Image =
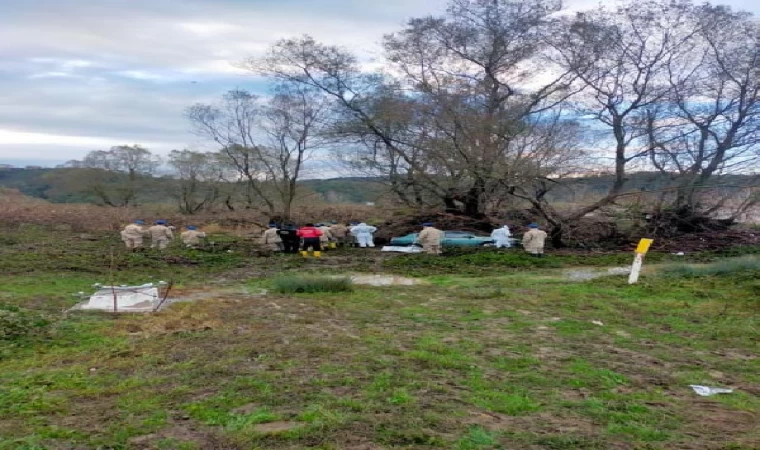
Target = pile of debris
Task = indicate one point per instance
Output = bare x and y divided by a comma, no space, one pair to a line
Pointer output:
706,241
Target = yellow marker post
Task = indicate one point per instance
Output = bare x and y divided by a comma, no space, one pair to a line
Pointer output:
638,260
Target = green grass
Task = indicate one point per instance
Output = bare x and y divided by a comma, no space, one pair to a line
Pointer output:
500,354
295,284
749,265
465,261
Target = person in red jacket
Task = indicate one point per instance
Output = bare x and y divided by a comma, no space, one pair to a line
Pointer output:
310,236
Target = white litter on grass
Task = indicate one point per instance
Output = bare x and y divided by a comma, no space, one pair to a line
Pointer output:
402,249
142,298
706,391
597,322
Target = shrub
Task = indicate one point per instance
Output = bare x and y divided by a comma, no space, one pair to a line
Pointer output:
310,284
16,323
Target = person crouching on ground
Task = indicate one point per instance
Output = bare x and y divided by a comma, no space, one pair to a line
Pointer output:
430,238
327,236
271,239
289,235
132,235
339,232
192,237
533,240
160,235
311,240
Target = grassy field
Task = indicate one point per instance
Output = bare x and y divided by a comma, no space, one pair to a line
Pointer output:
487,351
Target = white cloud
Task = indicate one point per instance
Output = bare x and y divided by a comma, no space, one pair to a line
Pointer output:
81,73
208,29
50,75
142,75
11,137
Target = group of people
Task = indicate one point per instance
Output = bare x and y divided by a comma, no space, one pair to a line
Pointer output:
160,234
316,237
533,240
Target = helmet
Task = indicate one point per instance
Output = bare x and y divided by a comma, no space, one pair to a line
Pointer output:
191,227
533,225
272,225
139,222
427,224
160,222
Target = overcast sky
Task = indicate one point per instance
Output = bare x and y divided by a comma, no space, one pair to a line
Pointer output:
79,75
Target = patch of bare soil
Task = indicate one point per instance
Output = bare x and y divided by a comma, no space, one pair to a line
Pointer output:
276,427
711,425
550,424
247,409
185,432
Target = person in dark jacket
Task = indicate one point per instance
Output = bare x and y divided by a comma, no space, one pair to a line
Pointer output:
289,235
311,239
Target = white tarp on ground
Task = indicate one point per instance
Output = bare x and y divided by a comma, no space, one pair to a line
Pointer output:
402,249
128,298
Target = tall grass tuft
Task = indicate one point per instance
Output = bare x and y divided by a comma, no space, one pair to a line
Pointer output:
728,266
312,284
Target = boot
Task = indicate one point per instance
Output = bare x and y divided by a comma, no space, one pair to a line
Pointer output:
305,254
317,254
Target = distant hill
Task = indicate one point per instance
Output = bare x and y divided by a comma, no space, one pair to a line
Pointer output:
63,185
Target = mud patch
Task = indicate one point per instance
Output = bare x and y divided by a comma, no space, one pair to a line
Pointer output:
211,294
550,424
184,434
247,409
276,427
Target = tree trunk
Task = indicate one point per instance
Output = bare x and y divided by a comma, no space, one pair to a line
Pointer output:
450,204
555,235
472,207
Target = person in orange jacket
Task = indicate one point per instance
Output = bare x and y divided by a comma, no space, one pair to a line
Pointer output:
311,239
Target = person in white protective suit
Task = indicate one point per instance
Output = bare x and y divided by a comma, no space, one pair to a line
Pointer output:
501,237
363,234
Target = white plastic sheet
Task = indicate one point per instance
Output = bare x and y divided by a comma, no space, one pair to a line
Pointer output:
706,391
128,298
402,249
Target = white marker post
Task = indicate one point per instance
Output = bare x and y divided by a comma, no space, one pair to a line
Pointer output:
638,261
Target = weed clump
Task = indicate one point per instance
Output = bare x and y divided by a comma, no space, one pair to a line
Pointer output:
16,323
311,285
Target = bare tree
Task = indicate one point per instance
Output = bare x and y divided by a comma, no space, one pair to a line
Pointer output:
294,121
267,142
233,125
445,122
133,162
709,123
200,179
620,62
